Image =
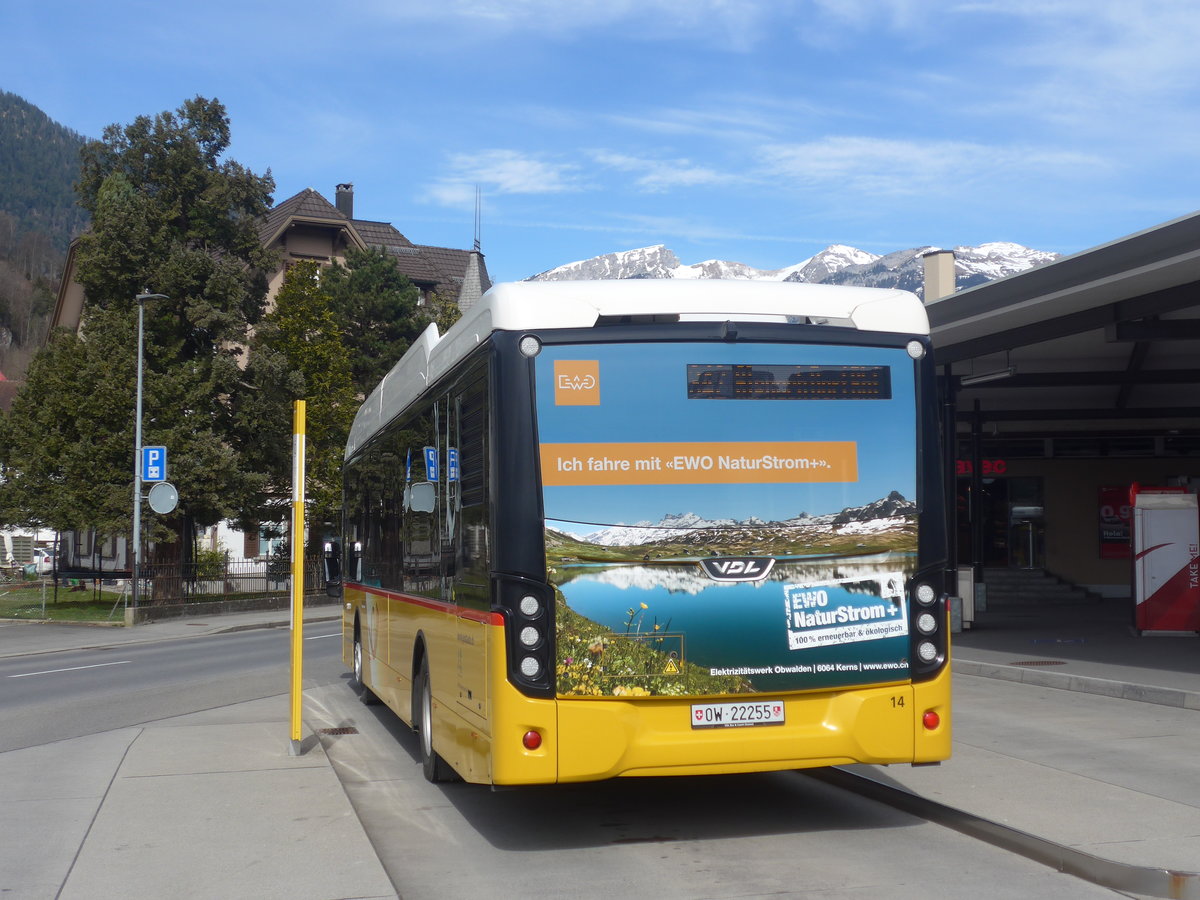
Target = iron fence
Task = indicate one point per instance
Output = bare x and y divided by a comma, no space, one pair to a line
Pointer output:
209,581
224,581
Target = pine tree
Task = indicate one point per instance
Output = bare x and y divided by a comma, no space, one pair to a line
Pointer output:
298,353
376,308
65,465
168,216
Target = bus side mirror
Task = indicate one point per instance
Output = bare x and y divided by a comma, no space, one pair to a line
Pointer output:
333,568
422,497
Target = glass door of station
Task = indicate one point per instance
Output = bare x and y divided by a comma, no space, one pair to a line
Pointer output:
1010,519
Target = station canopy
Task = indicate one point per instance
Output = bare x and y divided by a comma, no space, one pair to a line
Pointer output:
1093,354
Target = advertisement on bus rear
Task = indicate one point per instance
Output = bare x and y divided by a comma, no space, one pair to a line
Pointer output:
727,518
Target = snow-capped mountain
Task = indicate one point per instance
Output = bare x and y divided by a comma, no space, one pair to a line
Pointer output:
972,265
836,264
880,515
831,260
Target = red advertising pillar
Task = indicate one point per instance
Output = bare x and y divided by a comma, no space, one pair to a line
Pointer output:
1166,559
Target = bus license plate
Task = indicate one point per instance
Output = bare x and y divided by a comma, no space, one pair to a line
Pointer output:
737,715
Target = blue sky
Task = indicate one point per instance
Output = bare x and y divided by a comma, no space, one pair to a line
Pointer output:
753,130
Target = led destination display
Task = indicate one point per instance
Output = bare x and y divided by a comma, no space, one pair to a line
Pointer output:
744,381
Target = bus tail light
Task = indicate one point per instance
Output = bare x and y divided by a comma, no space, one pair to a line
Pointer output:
931,720
528,610
531,740
929,647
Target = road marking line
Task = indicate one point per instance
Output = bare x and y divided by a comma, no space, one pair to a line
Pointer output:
72,669
319,636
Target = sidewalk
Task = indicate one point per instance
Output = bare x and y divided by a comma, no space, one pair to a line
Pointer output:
20,638
1090,648
1071,728
1105,763
210,804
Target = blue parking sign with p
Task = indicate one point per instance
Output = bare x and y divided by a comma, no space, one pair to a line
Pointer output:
154,464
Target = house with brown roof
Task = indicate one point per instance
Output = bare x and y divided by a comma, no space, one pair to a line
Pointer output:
307,226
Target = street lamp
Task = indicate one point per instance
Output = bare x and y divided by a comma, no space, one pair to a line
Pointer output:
137,447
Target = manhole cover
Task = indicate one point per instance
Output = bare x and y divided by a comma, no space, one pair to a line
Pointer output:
1039,662
346,730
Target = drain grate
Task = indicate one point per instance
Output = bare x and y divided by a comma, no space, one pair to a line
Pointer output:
349,729
1039,662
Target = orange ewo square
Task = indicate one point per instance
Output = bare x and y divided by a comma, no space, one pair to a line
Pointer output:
577,382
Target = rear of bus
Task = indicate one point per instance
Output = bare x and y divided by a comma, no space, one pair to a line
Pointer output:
742,532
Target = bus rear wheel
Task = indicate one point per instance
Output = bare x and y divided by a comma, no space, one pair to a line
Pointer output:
365,694
433,766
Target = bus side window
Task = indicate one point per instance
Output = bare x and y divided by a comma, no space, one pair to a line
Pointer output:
472,497
418,553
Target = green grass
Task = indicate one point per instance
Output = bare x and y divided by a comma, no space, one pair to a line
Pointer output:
595,661
24,601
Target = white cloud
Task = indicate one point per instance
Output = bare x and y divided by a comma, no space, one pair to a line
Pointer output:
877,167
869,13
736,24
500,172
1102,66
706,123
662,174
647,230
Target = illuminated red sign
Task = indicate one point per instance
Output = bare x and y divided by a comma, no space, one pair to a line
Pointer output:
990,467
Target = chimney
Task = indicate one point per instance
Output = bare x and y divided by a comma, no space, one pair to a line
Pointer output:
939,274
345,200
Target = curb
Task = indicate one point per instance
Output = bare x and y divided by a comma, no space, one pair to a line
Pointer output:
170,637
91,624
1120,690
1142,880
284,623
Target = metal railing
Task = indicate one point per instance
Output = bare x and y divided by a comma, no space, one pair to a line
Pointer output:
223,581
191,582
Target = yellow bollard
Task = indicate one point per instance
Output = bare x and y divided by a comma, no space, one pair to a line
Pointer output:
297,574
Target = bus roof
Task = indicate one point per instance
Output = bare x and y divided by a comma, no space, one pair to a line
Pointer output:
526,305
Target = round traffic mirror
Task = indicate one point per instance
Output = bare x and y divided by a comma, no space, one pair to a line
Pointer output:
163,497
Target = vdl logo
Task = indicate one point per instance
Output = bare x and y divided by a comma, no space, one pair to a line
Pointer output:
738,568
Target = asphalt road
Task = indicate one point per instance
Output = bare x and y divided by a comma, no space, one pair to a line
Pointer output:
779,834
53,696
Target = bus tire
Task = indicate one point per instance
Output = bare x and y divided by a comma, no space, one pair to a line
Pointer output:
433,766
365,694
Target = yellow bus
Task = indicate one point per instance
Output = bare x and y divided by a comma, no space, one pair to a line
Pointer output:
635,528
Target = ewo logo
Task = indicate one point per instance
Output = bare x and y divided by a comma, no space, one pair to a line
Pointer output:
576,382
737,568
